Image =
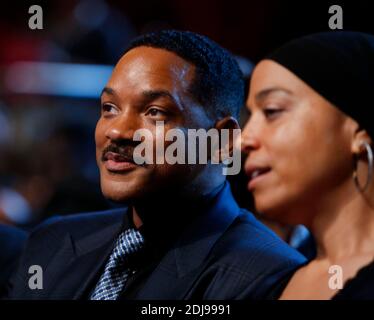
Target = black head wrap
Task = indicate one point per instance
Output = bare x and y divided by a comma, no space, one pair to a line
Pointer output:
339,66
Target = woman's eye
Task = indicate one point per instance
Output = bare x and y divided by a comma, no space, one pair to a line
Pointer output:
272,112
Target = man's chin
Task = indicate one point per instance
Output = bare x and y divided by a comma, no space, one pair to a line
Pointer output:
122,192
121,198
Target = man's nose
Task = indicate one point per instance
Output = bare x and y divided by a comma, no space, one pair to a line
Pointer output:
250,137
122,127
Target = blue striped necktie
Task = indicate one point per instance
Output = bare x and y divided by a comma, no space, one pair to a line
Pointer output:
117,271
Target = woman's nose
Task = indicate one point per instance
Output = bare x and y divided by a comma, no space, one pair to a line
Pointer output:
249,139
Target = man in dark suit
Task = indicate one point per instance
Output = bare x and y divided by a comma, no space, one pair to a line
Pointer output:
180,234
12,241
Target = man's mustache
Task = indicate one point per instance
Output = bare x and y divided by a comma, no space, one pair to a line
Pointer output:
125,153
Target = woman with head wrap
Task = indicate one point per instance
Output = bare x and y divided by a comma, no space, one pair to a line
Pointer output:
309,142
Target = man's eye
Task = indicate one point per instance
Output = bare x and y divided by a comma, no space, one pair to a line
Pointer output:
155,112
107,108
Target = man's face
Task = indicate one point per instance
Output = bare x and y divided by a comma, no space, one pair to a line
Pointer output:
147,85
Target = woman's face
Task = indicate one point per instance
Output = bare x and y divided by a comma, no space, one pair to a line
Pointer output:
298,145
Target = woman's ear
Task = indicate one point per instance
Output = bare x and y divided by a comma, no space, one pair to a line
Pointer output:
226,146
360,136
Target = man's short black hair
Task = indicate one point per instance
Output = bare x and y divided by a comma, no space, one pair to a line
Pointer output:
218,83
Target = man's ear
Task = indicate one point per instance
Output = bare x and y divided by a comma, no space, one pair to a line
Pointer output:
357,146
226,146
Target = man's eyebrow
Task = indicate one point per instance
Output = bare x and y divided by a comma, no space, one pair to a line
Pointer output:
149,95
155,94
264,93
108,90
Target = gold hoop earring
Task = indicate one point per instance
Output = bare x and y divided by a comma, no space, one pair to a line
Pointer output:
369,152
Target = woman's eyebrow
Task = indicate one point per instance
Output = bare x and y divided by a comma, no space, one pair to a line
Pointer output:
266,92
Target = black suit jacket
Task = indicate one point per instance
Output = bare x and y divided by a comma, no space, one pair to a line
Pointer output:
11,244
224,253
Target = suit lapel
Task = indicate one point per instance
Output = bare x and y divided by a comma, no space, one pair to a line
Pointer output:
83,258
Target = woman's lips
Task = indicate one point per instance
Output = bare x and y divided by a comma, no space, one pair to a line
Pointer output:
255,176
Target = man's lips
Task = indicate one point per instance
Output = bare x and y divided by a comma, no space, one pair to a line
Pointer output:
116,162
256,174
